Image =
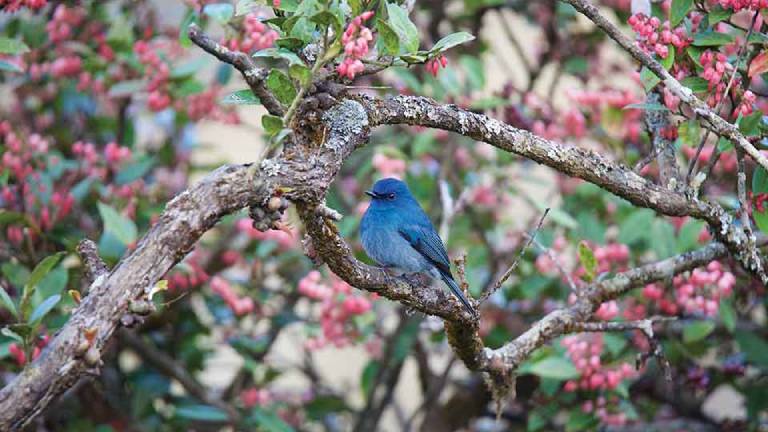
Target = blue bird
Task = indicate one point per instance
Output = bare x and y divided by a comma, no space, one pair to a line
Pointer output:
397,234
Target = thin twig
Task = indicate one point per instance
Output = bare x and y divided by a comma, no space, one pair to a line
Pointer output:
519,256
739,60
555,260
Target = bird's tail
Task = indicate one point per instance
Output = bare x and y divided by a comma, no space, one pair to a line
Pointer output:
448,279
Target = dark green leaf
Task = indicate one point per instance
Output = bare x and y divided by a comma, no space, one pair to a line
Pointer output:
760,181
728,314
5,331
189,18
324,405
405,29
750,125
240,97
712,38
754,347
10,217
679,10
272,125
41,269
696,84
369,373
289,43
43,308
717,14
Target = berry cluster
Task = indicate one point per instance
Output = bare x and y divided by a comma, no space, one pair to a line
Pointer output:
738,5
239,305
338,305
653,36
258,36
697,294
355,39
433,65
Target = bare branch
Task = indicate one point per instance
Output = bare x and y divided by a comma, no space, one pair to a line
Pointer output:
719,125
253,75
513,266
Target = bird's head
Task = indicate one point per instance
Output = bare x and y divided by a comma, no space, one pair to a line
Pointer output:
389,191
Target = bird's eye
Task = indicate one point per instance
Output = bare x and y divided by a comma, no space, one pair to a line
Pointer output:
391,196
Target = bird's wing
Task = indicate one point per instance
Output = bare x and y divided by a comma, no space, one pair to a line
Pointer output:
426,241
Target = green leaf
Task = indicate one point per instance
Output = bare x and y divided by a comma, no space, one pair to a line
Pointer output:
389,42
188,88
679,10
647,106
44,308
8,303
135,170
10,217
689,133
760,181
451,41
203,413
750,125
717,14
668,61
221,12
696,84
300,73
10,67
712,38
281,86
321,406
12,46
327,19
188,68
754,348
289,43
272,125
269,421
240,97
189,19
554,367
41,269
118,225
727,314
5,331
368,375
649,79
588,261
697,330
405,29
280,54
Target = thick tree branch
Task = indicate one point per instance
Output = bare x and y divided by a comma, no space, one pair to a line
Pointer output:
573,161
718,125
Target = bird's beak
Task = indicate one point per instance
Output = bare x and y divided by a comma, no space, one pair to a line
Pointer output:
371,194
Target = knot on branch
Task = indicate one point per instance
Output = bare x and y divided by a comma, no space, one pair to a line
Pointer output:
266,216
321,97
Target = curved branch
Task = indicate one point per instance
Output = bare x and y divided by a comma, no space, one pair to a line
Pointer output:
573,161
719,125
252,74
184,220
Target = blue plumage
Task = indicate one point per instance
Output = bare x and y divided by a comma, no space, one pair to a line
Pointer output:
397,234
